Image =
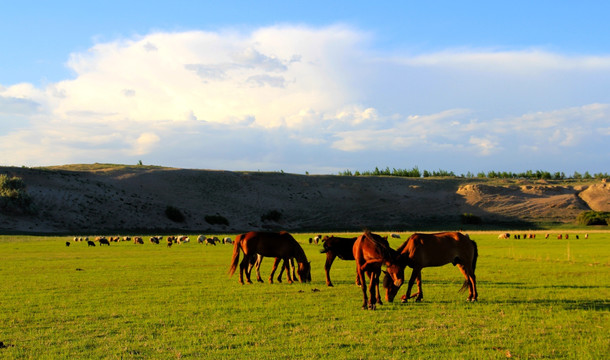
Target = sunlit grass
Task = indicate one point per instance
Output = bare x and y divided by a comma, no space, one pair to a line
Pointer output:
537,299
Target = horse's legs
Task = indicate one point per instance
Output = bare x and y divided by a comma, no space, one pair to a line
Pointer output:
259,261
373,285
294,274
330,257
243,268
377,288
360,274
414,275
275,262
420,293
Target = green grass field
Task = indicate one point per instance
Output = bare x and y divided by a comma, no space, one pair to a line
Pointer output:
537,299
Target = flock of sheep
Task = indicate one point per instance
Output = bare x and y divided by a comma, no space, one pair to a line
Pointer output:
533,236
170,240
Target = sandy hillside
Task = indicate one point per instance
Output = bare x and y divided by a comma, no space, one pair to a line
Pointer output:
114,199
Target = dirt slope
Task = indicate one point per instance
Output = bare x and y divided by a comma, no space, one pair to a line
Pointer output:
91,200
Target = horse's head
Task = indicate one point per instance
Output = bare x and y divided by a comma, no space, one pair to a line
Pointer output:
304,272
393,280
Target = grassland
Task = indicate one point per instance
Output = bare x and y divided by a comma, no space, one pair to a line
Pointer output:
537,299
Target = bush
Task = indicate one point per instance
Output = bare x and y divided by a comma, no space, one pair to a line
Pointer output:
470,219
216,220
174,214
593,218
272,215
13,196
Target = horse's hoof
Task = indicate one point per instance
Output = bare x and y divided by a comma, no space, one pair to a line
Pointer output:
260,280
329,284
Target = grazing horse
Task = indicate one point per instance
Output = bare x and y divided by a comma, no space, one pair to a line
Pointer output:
337,247
426,250
371,251
271,244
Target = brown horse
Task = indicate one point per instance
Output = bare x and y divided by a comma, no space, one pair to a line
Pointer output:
371,251
271,244
426,250
337,247
259,261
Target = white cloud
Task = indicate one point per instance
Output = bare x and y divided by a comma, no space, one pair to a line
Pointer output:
294,94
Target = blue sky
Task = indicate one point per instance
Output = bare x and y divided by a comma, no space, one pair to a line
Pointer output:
307,86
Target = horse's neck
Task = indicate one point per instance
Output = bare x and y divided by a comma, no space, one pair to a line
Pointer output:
300,255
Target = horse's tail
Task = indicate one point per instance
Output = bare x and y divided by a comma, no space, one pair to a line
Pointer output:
235,258
475,255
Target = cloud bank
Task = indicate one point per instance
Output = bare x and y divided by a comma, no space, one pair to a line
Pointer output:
321,100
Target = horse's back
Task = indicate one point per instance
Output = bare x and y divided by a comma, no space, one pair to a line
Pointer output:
438,249
341,247
270,244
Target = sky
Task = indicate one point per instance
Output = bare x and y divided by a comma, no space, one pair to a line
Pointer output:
312,87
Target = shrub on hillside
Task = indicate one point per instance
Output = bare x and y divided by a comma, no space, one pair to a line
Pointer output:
470,219
174,214
13,196
271,215
216,220
593,218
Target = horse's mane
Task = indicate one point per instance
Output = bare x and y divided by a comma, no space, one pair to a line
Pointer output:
381,243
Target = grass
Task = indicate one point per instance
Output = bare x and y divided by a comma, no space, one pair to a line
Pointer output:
537,299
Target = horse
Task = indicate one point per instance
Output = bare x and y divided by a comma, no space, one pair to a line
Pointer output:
337,247
427,250
259,261
371,251
271,244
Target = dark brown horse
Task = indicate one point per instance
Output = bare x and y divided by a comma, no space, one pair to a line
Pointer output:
371,251
426,250
270,244
334,246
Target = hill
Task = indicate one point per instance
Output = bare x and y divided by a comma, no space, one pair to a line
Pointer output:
102,198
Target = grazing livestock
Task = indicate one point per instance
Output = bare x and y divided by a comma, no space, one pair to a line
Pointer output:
337,247
200,239
371,251
90,243
155,240
169,241
227,240
317,239
504,236
426,250
395,236
211,241
138,240
183,240
67,243
271,244
104,241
